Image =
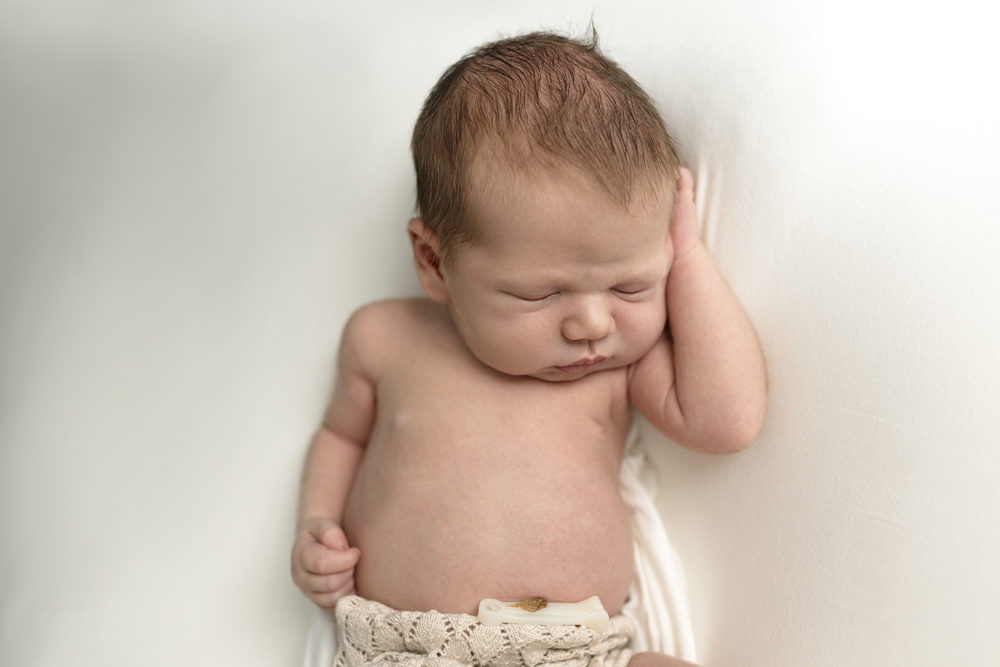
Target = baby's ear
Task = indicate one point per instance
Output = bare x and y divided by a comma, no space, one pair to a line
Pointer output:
427,260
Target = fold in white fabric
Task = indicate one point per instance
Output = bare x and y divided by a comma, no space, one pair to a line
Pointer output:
657,600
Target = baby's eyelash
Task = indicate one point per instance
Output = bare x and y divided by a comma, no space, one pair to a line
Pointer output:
631,292
531,299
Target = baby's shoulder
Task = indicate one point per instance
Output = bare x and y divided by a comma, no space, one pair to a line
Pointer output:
392,317
377,331
378,315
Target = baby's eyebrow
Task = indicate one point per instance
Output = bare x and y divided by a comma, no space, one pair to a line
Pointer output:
644,276
553,279
526,281
649,275
525,287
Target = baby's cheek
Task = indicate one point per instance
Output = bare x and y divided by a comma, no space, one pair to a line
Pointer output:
647,326
510,349
525,343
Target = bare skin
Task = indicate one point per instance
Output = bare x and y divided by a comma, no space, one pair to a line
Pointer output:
650,659
472,445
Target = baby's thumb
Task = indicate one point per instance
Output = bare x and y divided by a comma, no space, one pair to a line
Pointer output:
332,537
346,559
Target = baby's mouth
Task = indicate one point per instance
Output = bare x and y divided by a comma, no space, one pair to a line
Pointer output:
581,365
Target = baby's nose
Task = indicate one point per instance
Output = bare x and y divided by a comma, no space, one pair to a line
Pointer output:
590,320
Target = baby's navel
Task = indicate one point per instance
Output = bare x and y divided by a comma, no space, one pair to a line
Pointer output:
531,604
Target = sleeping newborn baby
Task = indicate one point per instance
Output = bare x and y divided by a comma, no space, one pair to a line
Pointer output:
472,446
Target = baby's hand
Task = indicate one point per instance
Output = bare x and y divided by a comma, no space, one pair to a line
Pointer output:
684,226
323,563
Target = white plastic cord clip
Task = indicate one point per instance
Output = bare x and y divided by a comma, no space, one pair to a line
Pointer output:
589,613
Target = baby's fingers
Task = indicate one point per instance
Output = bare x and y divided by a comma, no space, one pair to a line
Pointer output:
330,535
329,583
327,601
685,182
320,560
684,226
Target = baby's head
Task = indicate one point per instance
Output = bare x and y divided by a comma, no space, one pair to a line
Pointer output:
531,104
543,167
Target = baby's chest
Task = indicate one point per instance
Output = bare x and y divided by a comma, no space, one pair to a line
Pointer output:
488,412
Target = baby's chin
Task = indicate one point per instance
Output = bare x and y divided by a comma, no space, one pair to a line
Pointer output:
553,376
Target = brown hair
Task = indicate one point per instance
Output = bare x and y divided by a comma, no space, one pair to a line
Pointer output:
536,101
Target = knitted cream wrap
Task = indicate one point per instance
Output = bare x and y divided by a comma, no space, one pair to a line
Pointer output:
371,634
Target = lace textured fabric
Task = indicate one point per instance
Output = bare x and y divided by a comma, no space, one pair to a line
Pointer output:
370,634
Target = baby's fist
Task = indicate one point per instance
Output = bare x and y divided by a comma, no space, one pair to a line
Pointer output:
323,562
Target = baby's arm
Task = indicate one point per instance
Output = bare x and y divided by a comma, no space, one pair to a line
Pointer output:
322,560
704,383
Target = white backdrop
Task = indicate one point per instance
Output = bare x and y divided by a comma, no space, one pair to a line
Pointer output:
194,196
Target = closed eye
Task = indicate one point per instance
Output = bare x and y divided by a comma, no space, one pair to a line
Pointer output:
631,291
532,299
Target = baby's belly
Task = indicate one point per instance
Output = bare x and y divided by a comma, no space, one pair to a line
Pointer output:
442,529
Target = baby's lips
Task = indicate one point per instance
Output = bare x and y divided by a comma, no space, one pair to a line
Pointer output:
581,365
